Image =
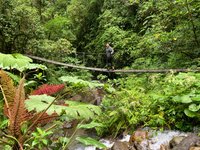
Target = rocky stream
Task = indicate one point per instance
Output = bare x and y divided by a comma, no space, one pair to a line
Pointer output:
149,140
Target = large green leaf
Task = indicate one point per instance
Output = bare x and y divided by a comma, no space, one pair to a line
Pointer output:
14,60
34,66
76,80
18,61
177,99
75,110
193,107
22,57
90,141
189,113
186,99
196,98
89,126
39,103
14,77
8,61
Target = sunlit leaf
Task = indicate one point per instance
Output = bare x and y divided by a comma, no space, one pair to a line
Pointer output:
186,99
189,113
63,140
196,98
18,61
89,126
90,141
73,109
194,107
24,127
76,80
44,141
14,77
177,98
20,56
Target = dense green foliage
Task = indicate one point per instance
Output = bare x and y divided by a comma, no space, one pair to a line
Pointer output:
144,34
170,101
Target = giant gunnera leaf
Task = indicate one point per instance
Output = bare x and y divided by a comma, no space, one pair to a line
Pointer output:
74,110
13,61
18,61
76,81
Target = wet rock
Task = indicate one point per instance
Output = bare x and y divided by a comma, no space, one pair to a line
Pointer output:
140,145
175,141
108,143
118,145
188,142
164,147
138,140
160,139
138,136
194,148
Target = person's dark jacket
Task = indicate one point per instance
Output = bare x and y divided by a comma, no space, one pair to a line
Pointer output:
109,51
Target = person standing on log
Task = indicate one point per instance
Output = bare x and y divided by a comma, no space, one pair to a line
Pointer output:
109,55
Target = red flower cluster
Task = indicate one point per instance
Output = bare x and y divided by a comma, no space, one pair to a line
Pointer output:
48,89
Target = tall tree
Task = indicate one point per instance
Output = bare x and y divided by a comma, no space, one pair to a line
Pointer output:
19,24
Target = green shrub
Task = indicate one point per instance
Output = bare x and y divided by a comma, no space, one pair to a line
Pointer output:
155,100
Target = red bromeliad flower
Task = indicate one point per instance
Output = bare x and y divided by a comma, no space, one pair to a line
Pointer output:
48,89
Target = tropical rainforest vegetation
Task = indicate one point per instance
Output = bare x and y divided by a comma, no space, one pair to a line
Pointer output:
38,99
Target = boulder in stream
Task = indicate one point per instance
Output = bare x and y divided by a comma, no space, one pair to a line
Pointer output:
138,140
188,143
194,148
175,141
118,145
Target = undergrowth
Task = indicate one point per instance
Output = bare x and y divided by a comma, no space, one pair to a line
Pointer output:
169,101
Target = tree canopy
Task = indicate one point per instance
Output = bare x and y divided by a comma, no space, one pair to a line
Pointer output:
143,33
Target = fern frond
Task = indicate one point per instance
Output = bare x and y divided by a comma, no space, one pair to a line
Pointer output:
43,120
8,87
18,113
48,89
15,106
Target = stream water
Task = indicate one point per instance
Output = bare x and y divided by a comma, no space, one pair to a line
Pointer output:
153,143
160,138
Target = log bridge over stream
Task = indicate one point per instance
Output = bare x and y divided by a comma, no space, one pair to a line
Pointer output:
114,71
